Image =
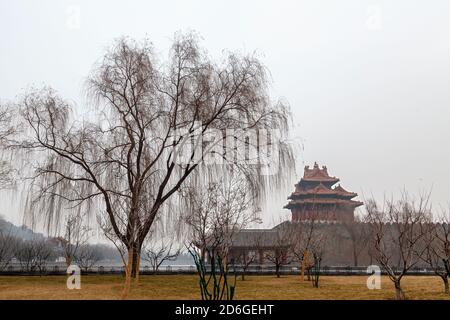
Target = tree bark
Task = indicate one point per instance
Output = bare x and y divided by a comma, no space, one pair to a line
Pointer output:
302,271
355,258
68,261
399,294
303,265
446,287
136,261
447,275
128,269
137,271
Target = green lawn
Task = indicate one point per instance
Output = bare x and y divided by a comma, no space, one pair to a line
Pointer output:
186,287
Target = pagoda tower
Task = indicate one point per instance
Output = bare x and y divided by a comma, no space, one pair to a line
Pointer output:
315,198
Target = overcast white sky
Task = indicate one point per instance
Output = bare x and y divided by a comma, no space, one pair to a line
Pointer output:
368,81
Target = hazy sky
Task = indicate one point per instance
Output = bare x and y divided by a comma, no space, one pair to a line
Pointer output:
368,81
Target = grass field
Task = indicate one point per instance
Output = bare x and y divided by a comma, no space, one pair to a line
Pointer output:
186,287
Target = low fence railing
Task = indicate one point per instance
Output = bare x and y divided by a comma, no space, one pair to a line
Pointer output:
191,269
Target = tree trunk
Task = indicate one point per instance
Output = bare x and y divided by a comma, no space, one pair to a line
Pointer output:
355,258
128,271
399,294
445,279
203,255
447,275
277,270
302,270
137,271
303,265
68,261
136,261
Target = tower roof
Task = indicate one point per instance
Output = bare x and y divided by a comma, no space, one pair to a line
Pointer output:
315,192
317,174
343,192
322,190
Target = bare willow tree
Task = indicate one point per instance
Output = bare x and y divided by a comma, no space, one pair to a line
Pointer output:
7,130
436,244
144,137
397,229
8,242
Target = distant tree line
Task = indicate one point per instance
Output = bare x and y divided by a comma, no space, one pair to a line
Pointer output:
34,255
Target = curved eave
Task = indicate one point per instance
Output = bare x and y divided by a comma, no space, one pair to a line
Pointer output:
319,179
357,203
296,203
304,195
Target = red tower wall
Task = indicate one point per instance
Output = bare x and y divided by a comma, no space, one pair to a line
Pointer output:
339,213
